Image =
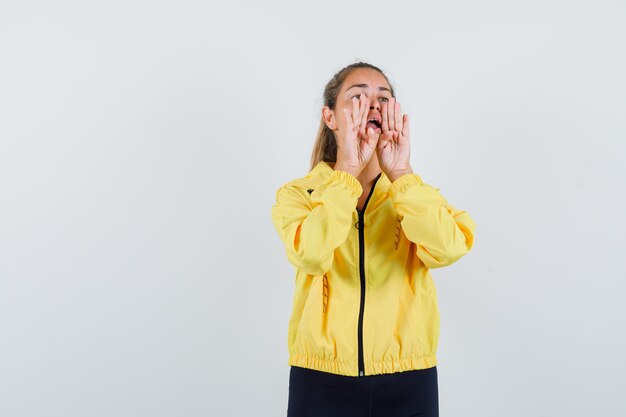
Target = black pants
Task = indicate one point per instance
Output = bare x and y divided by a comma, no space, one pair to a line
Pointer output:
315,393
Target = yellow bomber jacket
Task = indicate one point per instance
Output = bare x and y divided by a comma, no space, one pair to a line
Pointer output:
364,300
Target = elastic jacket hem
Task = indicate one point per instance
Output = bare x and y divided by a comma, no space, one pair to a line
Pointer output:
371,367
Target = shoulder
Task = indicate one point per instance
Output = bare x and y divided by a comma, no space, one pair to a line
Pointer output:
312,179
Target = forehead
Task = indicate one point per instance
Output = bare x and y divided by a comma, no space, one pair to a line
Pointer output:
365,76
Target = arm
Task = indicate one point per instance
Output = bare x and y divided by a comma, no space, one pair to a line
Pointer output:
312,230
441,233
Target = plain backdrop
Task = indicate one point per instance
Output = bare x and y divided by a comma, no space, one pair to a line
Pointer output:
141,145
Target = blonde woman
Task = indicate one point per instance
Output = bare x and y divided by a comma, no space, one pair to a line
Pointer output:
363,231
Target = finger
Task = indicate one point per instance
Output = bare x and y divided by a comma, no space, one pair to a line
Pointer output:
398,117
364,113
371,136
405,126
355,111
346,112
359,120
390,119
385,125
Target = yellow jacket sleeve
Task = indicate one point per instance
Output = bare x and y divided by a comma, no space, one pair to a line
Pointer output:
312,227
441,233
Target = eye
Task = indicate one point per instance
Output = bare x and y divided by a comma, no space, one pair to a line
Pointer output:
384,99
357,95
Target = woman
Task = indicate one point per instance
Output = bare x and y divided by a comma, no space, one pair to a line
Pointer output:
363,231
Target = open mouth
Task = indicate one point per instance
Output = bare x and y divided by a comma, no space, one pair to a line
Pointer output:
374,124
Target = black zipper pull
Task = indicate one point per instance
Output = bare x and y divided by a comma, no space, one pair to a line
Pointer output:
359,224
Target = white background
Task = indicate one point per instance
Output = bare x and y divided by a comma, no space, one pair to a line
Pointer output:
141,144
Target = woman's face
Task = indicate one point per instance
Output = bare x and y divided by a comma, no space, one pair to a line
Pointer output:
361,81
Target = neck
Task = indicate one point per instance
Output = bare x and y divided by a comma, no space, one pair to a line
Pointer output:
370,172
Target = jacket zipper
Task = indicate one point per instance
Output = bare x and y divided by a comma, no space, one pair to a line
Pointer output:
360,226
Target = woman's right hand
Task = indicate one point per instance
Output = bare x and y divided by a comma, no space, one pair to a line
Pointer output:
357,146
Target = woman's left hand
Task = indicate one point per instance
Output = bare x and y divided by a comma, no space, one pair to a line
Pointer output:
393,148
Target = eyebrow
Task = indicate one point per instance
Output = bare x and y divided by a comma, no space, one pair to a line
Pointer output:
367,85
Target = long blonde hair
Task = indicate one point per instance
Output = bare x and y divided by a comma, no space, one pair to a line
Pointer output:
325,147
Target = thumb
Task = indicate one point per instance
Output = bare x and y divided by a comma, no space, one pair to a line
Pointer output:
381,143
371,136
405,126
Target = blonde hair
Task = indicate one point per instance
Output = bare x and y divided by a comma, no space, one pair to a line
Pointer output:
325,147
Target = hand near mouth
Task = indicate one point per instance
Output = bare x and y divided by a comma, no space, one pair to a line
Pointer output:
393,148
359,143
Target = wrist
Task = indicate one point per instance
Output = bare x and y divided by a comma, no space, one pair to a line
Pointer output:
394,175
347,168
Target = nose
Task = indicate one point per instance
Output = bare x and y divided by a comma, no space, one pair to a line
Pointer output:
375,105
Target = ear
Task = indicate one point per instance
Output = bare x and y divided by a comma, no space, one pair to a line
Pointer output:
329,117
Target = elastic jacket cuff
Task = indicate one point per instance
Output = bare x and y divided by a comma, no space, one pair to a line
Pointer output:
349,181
402,183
